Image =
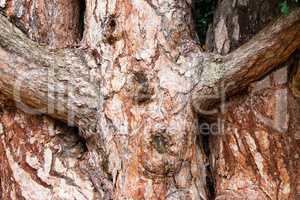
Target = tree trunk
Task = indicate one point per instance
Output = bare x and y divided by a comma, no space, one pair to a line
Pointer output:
54,23
42,158
256,152
134,88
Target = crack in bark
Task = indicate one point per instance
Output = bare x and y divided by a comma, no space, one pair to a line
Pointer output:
19,55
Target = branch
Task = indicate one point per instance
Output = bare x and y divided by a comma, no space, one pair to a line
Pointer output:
40,80
234,72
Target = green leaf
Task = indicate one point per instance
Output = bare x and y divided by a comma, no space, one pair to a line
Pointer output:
284,8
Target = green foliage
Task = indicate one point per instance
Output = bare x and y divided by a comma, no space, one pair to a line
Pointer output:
203,11
203,16
284,5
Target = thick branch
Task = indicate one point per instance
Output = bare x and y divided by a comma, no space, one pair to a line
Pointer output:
57,83
232,73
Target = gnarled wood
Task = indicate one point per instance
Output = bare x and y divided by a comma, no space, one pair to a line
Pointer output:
60,83
146,121
136,89
233,72
255,152
42,158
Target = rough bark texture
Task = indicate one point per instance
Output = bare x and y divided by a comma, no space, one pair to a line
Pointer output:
41,159
62,81
146,120
55,23
134,91
233,72
256,155
235,22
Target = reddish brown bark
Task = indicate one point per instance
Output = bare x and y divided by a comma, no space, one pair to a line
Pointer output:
55,23
40,159
256,155
135,86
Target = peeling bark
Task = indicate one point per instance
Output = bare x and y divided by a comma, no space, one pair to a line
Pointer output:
233,72
136,87
256,154
55,23
60,83
41,159
236,22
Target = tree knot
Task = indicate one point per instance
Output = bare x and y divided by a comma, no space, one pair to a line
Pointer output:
142,90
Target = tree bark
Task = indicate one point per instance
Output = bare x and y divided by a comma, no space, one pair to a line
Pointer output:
135,87
55,23
42,158
255,155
